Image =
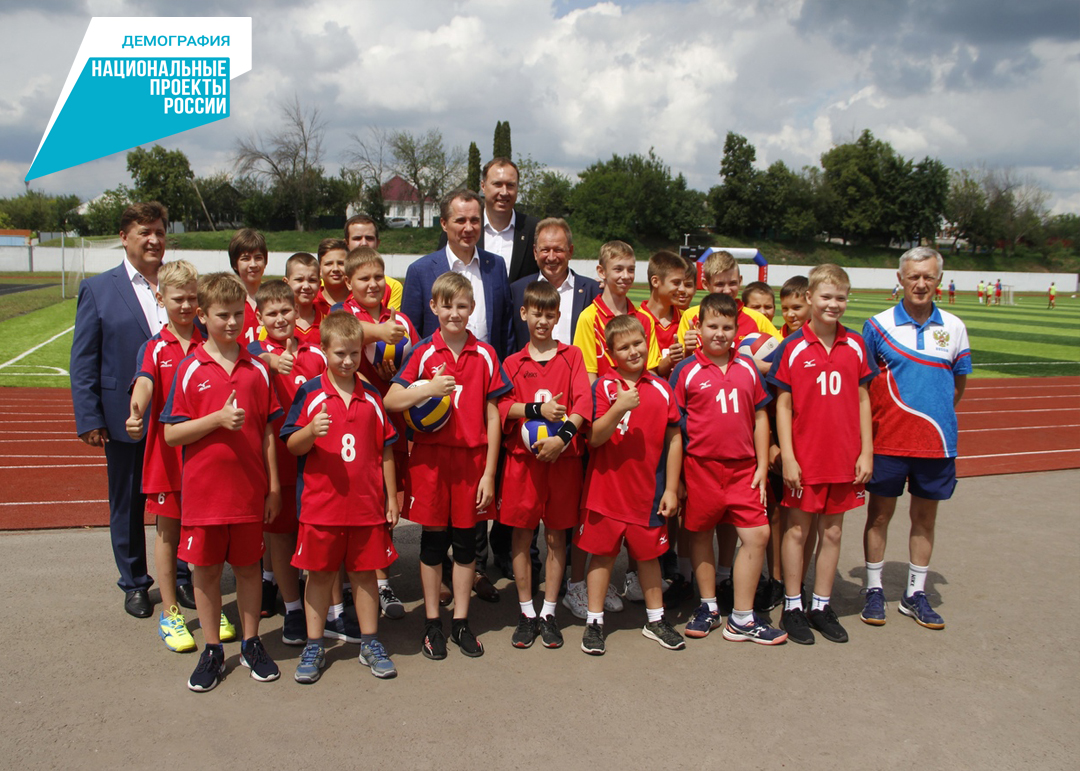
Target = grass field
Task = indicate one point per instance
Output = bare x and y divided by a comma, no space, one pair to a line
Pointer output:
1024,340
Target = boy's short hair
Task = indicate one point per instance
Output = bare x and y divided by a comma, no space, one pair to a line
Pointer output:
719,305
540,295
716,263
331,244
245,241
143,214
300,258
828,273
176,274
621,325
796,285
340,325
274,291
554,222
449,285
756,286
664,263
220,289
613,249
360,219
361,256
461,194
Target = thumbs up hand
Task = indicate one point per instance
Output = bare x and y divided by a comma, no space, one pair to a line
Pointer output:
320,424
232,417
287,358
552,410
134,423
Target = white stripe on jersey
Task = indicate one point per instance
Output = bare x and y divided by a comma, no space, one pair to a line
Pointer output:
660,388
487,358
157,349
796,349
742,362
854,345
423,360
195,364
262,368
696,368
322,397
375,404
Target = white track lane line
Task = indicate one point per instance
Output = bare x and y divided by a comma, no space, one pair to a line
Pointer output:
1015,454
48,503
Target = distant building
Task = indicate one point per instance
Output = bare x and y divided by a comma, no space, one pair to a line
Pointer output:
14,237
402,200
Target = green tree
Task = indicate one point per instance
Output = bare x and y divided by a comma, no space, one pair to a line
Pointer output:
36,211
549,196
102,217
863,175
472,179
501,146
423,161
736,204
164,176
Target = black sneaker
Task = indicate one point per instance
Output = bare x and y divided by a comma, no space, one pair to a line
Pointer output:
253,655
269,599
797,627
343,628
294,630
665,634
826,622
462,636
768,595
725,597
592,642
525,633
677,592
434,646
550,635
209,670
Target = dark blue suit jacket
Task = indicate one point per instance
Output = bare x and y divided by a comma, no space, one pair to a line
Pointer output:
585,291
109,330
417,295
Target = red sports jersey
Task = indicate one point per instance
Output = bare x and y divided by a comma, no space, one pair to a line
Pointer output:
367,369
627,474
250,333
224,479
666,335
824,390
479,377
717,408
311,334
341,478
589,336
535,381
747,322
159,358
322,304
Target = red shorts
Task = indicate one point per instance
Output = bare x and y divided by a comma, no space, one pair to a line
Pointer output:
835,498
442,483
533,490
238,544
604,536
164,504
285,522
719,492
323,548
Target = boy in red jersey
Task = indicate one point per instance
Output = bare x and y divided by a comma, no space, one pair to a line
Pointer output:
302,276
821,374
348,494
721,400
542,481
667,274
451,474
297,363
220,409
248,257
335,289
632,481
159,357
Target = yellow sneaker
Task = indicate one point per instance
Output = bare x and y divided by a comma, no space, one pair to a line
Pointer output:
174,632
226,631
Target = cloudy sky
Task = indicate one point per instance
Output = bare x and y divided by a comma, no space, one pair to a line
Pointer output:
972,82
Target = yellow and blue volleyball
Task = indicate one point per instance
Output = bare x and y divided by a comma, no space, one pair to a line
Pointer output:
429,415
380,351
532,431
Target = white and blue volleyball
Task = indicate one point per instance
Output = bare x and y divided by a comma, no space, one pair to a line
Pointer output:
532,431
380,351
429,415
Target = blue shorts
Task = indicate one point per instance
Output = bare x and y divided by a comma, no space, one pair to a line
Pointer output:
930,478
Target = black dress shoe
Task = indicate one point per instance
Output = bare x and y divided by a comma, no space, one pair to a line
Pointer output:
484,589
185,595
137,603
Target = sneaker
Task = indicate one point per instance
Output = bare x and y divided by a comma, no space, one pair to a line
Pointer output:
374,655
826,622
342,628
462,636
576,600
269,599
389,603
725,596
756,631
226,631
525,633
612,602
665,634
873,611
294,630
312,661
769,594
174,632
254,656
702,622
678,590
209,670
592,642
550,635
798,628
632,588
918,607
434,646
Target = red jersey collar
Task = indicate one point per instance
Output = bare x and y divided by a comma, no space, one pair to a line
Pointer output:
356,309
707,362
168,336
808,333
606,313
330,391
439,343
202,355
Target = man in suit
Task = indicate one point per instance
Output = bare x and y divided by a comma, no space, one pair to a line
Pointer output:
505,232
116,314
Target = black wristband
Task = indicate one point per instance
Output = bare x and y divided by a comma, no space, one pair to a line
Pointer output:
567,431
532,411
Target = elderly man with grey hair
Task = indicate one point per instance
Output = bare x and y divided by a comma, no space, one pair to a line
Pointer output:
923,355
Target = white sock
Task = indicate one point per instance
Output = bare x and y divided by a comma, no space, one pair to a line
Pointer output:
268,575
383,582
291,606
793,603
818,602
549,609
591,617
742,617
873,574
335,611
528,609
722,573
686,570
916,579
654,614
710,603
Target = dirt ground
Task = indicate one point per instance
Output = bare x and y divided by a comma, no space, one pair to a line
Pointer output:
86,686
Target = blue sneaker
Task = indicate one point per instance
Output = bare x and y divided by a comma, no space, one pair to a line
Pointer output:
342,628
756,631
312,661
702,622
374,655
918,607
873,611
253,655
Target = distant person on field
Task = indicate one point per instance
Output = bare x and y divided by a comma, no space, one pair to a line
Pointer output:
1053,296
997,292
979,289
952,292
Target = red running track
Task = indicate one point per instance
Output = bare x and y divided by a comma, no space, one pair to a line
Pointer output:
50,479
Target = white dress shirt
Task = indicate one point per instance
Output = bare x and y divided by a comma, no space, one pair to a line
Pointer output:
478,320
500,242
564,332
156,317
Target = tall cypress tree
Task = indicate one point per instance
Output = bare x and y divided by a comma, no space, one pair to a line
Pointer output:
472,180
501,145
